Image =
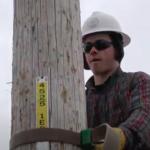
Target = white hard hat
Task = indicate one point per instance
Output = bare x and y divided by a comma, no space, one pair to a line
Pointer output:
101,22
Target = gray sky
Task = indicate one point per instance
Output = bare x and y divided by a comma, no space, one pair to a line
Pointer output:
5,70
133,16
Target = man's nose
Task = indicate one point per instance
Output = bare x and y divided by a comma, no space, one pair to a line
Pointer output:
93,51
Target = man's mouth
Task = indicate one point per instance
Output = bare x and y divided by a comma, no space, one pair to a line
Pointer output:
95,60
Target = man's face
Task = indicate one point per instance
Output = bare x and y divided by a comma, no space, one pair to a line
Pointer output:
100,60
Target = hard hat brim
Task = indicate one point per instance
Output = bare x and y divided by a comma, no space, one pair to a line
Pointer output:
125,37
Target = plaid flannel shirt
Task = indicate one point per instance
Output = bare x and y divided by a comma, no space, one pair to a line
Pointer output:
122,101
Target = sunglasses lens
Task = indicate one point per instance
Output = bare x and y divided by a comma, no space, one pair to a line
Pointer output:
102,44
87,47
99,45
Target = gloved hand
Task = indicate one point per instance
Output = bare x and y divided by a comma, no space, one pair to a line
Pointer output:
99,146
114,139
122,138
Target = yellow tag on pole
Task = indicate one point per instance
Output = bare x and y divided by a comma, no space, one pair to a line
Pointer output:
41,102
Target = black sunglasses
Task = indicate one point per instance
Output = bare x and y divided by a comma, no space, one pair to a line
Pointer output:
99,45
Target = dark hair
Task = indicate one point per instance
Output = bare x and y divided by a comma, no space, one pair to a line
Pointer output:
118,45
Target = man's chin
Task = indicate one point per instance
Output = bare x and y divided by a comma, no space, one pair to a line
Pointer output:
98,70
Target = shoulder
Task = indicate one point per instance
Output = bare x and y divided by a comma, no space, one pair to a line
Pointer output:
133,78
142,75
138,78
90,82
136,75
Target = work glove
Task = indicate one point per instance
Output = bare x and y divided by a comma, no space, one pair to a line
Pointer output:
114,139
99,146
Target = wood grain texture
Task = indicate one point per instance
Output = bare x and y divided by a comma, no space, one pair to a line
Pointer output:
47,42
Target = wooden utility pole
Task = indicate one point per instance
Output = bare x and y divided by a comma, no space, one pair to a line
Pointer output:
47,52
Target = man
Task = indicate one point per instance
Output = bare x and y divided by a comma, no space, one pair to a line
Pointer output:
120,99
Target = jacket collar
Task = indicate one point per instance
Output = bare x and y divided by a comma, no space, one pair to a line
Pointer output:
110,81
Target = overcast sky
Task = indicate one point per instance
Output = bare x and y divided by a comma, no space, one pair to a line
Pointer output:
133,16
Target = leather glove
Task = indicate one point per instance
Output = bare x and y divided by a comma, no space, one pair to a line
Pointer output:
122,138
99,146
114,139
